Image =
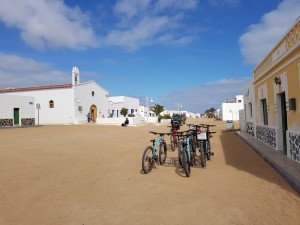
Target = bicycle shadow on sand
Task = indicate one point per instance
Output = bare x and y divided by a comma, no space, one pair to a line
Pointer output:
174,162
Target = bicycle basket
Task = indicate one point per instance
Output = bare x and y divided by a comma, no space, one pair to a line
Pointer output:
176,124
192,127
202,136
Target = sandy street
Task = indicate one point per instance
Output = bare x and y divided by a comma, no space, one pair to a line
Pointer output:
91,174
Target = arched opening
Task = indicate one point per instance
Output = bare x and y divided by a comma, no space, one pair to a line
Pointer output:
51,104
93,113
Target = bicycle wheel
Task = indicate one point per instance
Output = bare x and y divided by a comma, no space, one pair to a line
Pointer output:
172,143
180,153
148,160
194,144
208,151
202,155
162,153
193,157
185,162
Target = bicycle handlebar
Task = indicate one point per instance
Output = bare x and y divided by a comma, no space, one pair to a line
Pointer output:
207,125
161,134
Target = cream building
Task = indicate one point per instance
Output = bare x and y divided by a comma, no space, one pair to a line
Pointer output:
275,103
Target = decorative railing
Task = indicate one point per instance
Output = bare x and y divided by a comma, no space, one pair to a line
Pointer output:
288,42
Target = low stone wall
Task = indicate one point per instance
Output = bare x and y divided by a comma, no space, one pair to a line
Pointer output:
6,122
250,128
28,122
266,135
165,121
133,121
293,143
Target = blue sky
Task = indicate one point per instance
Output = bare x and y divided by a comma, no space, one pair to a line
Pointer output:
193,52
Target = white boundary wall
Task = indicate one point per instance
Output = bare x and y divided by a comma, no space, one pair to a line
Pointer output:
25,104
133,121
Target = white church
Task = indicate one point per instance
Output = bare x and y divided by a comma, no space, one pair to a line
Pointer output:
55,104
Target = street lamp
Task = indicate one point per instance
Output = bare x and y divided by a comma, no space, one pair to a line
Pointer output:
147,103
179,105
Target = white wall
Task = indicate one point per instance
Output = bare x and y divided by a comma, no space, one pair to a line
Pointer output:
249,101
133,121
230,111
63,111
83,97
116,103
9,102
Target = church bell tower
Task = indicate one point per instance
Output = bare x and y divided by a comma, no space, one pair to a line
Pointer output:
75,76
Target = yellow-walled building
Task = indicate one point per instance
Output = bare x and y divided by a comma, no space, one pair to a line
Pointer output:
274,113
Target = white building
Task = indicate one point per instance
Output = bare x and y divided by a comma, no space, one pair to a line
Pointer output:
230,108
116,103
17,111
67,103
248,116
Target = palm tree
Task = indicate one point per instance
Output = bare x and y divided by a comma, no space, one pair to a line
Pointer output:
157,109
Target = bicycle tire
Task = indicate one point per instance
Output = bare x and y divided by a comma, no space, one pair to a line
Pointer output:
172,143
147,160
162,153
202,155
193,157
185,162
208,151
180,153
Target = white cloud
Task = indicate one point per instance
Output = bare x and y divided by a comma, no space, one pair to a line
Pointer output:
48,24
205,96
261,38
45,24
16,71
143,33
130,8
145,22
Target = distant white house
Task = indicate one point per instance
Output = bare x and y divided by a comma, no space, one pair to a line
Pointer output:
17,111
230,109
66,103
217,114
116,103
187,113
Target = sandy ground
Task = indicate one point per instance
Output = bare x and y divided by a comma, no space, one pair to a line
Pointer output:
91,174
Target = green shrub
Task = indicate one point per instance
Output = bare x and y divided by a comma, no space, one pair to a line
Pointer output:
166,116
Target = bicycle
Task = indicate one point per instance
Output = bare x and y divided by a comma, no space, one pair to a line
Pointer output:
150,155
208,151
186,154
173,137
204,139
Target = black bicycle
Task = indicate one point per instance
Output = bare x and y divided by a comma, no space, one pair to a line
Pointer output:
186,154
154,153
207,145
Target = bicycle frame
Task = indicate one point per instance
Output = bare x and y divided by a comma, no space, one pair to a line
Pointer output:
156,145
